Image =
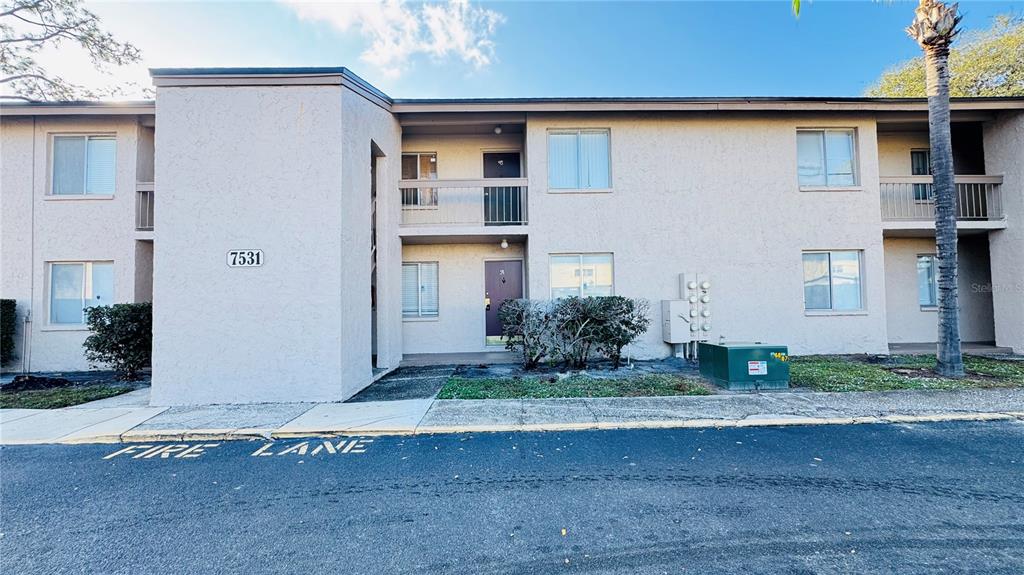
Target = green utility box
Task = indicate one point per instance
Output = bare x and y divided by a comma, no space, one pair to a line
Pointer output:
744,366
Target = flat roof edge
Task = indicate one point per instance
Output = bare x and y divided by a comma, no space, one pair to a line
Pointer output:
78,108
305,76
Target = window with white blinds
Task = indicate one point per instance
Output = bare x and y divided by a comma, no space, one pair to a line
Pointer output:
84,165
579,159
419,289
75,286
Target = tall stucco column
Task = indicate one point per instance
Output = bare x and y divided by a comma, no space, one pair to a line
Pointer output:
1004,155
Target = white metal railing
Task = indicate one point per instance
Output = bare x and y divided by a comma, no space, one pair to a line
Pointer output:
911,198
144,206
484,202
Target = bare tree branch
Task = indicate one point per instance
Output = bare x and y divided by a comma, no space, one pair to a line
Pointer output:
28,26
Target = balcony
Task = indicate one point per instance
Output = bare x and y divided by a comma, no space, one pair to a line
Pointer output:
144,206
484,203
908,203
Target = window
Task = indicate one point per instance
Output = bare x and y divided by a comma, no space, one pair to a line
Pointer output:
83,165
419,167
77,286
826,158
419,289
927,290
581,275
579,159
921,165
832,281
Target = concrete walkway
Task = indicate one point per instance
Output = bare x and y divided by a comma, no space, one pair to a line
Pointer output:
128,417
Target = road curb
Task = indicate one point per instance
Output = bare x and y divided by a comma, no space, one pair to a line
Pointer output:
270,434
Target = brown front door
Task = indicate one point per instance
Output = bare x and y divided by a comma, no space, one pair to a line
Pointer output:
502,280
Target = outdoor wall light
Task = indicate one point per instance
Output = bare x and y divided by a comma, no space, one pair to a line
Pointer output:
497,130
504,244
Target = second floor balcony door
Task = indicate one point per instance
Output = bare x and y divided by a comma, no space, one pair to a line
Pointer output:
502,204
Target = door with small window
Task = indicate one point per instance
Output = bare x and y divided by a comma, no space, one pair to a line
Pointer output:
503,205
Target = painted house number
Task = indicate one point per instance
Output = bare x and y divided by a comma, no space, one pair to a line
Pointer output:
245,258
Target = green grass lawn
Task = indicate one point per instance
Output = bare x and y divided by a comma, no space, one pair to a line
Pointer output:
855,373
541,387
59,397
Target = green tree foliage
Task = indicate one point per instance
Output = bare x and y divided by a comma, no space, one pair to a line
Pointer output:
986,63
8,324
122,337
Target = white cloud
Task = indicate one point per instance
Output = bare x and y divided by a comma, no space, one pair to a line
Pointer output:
396,30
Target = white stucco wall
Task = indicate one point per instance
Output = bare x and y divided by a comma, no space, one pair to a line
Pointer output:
1004,155
460,324
894,151
717,194
38,228
908,322
250,168
365,122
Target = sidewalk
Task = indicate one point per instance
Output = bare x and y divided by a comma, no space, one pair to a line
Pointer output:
129,418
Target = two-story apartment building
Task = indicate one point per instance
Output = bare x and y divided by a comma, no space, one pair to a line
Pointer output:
299,231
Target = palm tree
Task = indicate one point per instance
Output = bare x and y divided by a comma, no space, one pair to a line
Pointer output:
934,27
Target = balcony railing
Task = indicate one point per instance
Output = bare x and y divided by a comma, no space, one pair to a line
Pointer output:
144,206
910,198
486,202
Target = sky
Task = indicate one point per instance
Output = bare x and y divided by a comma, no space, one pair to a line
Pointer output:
466,48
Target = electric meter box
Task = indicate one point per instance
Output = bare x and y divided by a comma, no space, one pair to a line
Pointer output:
741,366
674,325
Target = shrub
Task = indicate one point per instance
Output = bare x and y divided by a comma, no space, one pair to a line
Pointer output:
568,330
122,337
8,324
577,323
526,325
622,321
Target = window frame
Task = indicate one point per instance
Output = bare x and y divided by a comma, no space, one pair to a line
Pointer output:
420,316
855,160
420,205
928,195
86,295
831,310
934,286
579,165
51,164
579,256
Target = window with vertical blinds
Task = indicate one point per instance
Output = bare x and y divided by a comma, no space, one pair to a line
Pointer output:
579,159
84,165
419,289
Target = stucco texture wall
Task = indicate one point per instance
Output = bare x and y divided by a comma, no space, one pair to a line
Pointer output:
717,194
365,122
39,228
908,321
894,151
1004,155
460,324
250,168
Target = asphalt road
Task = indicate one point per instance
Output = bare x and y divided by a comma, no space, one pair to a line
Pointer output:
935,498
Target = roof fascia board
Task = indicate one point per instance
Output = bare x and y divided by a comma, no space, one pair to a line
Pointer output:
77,110
408,107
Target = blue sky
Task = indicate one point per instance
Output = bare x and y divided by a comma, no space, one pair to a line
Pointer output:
522,49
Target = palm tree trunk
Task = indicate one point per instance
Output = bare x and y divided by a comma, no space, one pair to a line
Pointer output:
950,359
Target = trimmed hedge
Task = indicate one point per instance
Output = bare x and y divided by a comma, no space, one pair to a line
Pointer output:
122,337
569,329
8,325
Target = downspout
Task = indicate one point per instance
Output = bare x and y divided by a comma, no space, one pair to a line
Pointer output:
26,335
